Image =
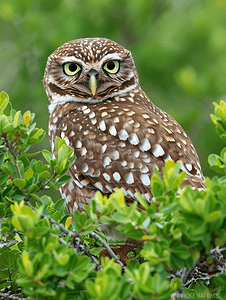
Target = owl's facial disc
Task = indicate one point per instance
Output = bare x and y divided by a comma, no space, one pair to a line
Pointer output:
90,73
92,80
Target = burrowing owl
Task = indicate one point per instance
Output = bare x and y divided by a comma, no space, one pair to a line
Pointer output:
117,133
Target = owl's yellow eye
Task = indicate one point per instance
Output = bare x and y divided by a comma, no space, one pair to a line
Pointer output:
112,66
71,69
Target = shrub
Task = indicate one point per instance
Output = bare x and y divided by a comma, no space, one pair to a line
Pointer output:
47,254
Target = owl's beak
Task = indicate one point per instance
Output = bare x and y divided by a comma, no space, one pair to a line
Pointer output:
93,84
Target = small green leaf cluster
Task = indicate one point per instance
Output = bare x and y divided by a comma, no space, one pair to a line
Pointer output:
44,261
8,265
219,119
218,162
109,283
21,177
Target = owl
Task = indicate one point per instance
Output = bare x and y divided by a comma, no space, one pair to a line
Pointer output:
118,135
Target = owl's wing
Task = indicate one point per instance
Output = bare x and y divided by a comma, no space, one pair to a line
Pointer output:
118,147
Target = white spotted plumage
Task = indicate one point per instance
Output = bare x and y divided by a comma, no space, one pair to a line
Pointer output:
117,133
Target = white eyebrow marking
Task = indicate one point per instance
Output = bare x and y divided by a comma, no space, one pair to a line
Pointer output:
67,59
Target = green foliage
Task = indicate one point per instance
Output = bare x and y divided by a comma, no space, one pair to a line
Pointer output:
218,162
101,289
52,255
44,262
21,176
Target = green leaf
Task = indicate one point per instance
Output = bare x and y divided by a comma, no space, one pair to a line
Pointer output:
213,216
46,200
60,205
47,155
36,197
31,154
177,262
3,122
2,212
3,178
17,118
57,140
63,180
62,153
4,100
157,184
221,109
142,201
214,159
7,129
57,169
179,249
223,136
22,222
28,267
216,163
28,174
8,258
52,165
187,200
33,188
44,175
20,183
144,270
56,216
95,251
6,170
172,207
223,154
38,133
38,166
2,159
214,119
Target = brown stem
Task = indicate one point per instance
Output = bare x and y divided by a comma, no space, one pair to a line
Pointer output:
11,150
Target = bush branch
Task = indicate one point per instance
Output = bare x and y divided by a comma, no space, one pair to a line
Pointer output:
73,234
96,236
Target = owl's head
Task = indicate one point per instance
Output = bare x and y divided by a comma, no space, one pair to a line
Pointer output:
89,70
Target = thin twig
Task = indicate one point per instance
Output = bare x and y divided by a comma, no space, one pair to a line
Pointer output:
11,150
185,275
96,236
11,297
91,256
127,244
220,250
